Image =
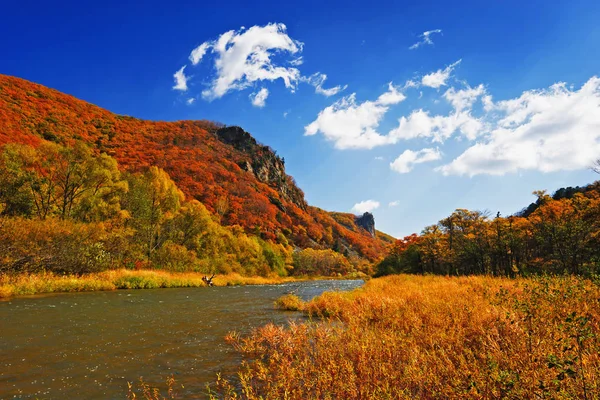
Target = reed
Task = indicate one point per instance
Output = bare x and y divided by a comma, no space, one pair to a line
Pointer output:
431,337
289,302
48,282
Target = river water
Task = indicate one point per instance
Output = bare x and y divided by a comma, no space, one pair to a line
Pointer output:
89,345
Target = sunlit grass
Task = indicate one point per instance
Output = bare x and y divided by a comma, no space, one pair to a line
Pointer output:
29,284
432,337
289,302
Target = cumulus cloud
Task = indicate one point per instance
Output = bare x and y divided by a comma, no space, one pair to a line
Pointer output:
464,98
405,161
438,78
438,128
246,56
394,203
425,39
180,80
242,58
259,98
190,101
365,206
350,124
546,130
318,80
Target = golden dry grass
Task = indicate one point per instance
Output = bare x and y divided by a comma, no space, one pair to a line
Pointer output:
29,284
289,302
434,338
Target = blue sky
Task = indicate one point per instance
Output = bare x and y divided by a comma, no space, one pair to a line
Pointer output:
470,118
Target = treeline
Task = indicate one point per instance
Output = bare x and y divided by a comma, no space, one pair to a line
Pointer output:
68,210
561,235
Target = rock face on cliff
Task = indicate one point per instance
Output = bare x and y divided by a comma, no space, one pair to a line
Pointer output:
263,163
367,222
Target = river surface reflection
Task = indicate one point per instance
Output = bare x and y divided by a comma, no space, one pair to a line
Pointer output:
89,345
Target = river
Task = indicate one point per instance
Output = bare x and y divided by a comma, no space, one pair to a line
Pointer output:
89,345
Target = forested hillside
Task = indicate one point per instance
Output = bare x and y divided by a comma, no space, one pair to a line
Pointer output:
556,234
222,173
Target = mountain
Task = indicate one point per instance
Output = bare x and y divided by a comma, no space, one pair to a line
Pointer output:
238,179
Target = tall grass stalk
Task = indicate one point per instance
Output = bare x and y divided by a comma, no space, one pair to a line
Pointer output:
431,337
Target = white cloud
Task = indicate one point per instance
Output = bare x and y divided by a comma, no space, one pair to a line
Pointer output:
285,114
365,206
297,61
439,128
425,39
259,54
379,158
488,103
199,52
259,98
190,101
545,130
392,96
394,203
464,98
438,78
405,161
353,125
246,56
318,80
180,80
411,84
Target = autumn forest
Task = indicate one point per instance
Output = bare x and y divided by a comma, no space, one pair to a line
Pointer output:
84,190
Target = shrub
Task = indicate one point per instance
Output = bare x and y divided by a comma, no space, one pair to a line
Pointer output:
289,302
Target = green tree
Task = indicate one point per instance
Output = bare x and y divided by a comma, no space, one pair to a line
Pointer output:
152,201
15,197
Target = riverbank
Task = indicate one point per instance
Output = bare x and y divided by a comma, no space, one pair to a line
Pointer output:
30,284
431,337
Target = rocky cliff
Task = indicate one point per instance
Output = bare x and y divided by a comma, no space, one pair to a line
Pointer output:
366,222
263,163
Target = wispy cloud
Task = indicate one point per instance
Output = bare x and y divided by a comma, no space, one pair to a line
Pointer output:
425,39
394,203
440,77
198,53
180,80
318,80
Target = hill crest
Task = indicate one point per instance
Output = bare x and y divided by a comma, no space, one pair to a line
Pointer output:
238,179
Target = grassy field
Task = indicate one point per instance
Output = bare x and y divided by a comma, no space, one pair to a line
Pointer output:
431,337
29,284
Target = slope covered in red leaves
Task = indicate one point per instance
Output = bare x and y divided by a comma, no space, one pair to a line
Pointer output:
236,178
